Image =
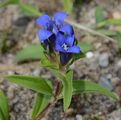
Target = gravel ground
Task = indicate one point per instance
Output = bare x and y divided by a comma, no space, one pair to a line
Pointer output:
101,65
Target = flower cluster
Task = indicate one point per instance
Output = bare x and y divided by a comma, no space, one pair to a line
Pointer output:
57,35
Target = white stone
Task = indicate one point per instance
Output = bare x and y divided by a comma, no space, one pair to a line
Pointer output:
89,54
79,117
116,115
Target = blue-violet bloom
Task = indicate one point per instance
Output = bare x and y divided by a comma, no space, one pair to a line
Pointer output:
51,27
65,45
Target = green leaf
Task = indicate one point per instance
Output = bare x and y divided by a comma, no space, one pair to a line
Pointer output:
68,5
119,40
114,21
99,14
46,63
8,2
3,106
85,47
1,115
107,32
67,86
37,84
32,52
58,74
79,55
29,10
68,89
14,1
109,22
4,4
40,103
91,87
102,24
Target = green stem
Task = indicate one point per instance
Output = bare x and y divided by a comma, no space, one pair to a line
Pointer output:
57,90
43,111
56,94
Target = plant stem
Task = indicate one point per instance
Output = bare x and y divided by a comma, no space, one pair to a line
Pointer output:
57,91
44,110
94,32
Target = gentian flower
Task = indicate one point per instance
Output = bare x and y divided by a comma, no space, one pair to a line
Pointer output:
50,27
57,36
65,45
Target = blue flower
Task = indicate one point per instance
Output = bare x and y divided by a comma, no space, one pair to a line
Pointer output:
65,45
50,26
57,36
67,29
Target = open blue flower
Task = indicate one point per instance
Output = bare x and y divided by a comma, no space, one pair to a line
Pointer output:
65,45
50,26
57,35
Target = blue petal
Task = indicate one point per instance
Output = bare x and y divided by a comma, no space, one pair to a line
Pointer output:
59,48
44,21
74,49
67,29
70,40
55,29
64,58
59,17
44,34
60,39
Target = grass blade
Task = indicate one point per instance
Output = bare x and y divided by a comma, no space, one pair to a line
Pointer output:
3,106
39,104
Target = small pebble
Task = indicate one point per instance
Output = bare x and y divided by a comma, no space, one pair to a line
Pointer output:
116,115
105,83
69,112
118,64
103,60
36,72
79,117
72,66
118,89
89,54
114,80
109,76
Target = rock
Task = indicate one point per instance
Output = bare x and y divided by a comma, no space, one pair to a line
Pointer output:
72,66
69,112
89,54
118,89
109,76
105,83
36,72
43,118
114,80
119,73
79,117
103,60
97,45
116,115
117,15
118,64
11,92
